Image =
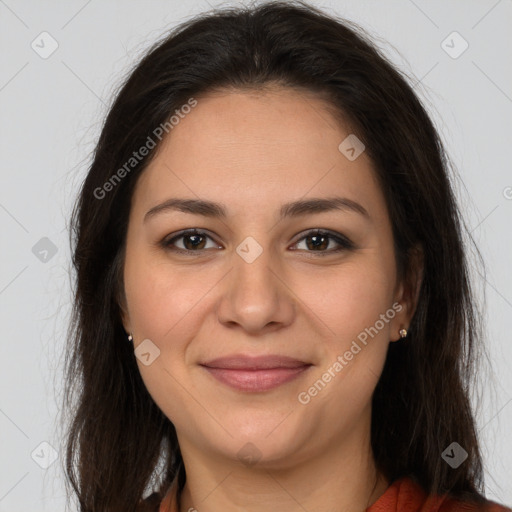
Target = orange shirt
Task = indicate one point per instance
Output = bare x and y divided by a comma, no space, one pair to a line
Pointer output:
403,495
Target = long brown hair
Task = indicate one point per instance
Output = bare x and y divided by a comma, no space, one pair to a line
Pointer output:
120,446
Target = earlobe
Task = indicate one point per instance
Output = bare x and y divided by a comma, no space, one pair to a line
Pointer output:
402,335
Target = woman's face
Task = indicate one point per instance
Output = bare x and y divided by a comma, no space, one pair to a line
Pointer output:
258,281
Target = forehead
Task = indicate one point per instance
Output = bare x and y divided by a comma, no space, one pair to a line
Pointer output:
287,119
260,147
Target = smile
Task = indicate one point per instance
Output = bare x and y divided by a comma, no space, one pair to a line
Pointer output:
256,380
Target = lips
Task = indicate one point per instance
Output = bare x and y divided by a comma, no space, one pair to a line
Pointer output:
243,362
255,374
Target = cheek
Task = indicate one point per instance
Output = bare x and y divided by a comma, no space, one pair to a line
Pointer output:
350,298
349,306
160,299
165,308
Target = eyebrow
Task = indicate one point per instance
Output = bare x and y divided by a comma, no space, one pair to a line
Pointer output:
292,209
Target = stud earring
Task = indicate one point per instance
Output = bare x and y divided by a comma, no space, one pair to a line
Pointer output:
130,337
403,333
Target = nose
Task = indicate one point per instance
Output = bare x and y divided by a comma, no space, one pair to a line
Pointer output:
255,296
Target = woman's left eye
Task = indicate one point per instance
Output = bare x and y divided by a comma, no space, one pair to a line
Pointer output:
320,239
194,241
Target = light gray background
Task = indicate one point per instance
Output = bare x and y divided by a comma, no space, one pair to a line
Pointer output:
51,114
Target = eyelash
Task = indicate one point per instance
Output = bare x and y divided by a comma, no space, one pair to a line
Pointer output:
345,243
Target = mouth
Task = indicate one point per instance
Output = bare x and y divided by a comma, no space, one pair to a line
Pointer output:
255,374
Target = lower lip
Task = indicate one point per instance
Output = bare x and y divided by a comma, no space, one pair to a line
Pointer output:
256,380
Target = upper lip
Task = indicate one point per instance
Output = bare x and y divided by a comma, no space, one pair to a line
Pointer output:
245,362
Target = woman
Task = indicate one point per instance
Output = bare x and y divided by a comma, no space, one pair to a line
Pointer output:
272,307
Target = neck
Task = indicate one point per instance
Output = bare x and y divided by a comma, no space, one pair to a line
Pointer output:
343,478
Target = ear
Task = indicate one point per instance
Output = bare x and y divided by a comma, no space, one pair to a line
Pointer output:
408,291
123,310
125,319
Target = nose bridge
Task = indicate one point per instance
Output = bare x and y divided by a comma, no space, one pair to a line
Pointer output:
255,296
253,264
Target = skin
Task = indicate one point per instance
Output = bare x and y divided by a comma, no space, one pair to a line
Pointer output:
253,152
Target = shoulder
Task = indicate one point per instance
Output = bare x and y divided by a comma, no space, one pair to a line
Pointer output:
454,505
406,495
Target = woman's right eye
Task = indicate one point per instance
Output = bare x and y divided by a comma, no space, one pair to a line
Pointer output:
191,240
